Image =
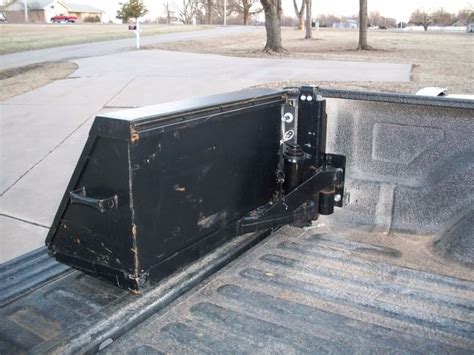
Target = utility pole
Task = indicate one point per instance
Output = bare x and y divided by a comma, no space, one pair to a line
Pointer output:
26,11
225,12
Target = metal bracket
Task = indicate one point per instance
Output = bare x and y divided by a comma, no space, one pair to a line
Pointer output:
309,181
292,207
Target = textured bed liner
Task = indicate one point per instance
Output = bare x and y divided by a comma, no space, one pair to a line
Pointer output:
313,292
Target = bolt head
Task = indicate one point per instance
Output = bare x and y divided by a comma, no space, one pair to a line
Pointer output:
287,117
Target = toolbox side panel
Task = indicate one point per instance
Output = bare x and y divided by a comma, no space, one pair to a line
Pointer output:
195,178
84,233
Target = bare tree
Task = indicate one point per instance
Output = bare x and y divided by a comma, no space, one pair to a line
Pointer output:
169,12
209,6
244,8
363,26
465,15
187,11
328,20
443,18
273,10
389,22
299,12
309,20
421,18
374,19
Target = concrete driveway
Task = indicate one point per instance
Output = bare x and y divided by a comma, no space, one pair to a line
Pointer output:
114,46
43,131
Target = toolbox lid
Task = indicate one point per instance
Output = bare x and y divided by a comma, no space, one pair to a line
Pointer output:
195,103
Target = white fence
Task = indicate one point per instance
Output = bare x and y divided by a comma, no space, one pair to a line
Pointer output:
437,28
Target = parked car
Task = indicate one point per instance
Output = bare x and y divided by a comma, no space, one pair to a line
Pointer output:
63,18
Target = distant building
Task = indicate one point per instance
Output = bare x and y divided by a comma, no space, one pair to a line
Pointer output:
82,11
346,24
44,10
458,24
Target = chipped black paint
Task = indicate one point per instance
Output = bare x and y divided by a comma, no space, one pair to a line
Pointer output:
186,176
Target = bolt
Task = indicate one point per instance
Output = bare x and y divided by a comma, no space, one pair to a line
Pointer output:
309,98
337,197
303,97
287,117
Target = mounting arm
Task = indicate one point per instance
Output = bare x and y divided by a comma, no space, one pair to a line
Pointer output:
309,181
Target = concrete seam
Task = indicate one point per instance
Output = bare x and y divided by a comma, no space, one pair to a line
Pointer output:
119,92
45,156
24,220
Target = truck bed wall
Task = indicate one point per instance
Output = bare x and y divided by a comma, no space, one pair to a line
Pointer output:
410,166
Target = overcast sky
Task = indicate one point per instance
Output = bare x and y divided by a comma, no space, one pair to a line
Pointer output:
399,9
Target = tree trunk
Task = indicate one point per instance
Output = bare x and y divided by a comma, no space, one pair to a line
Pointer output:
300,23
245,16
168,15
363,25
272,10
309,20
209,11
299,13
425,27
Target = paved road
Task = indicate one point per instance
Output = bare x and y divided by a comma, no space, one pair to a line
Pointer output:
43,131
110,47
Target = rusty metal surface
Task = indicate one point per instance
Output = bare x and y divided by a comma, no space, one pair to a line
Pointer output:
311,293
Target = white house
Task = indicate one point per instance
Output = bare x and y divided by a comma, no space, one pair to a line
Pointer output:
346,24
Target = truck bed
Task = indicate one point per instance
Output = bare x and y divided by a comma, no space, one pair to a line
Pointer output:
297,290
390,272
316,292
